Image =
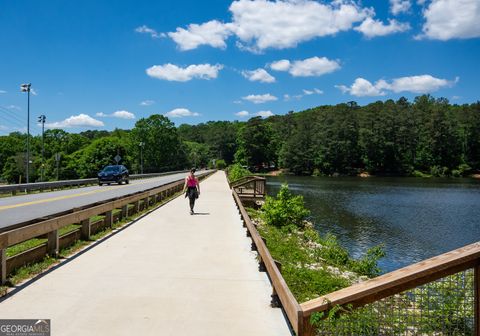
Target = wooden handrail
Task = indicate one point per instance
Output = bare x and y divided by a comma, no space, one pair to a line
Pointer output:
289,303
244,180
398,281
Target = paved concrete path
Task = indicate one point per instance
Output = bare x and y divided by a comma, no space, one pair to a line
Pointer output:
170,273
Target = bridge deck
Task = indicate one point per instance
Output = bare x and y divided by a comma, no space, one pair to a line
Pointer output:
169,273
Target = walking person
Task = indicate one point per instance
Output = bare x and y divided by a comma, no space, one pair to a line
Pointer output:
191,189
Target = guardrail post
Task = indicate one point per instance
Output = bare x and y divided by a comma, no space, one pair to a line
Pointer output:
85,231
136,207
53,243
145,203
3,266
476,279
124,213
109,218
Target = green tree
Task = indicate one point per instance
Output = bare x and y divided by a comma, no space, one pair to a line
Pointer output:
162,150
254,139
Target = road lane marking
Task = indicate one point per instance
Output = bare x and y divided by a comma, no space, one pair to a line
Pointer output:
58,198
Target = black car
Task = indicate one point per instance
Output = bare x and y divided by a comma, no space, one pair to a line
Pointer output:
116,174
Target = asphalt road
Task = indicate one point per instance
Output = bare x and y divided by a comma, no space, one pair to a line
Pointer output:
20,209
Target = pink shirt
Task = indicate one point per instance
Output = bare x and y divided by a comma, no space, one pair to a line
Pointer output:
191,181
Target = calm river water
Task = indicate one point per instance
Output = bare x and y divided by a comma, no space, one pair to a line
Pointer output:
415,218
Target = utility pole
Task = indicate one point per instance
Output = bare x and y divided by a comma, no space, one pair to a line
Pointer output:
141,144
57,159
26,88
42,119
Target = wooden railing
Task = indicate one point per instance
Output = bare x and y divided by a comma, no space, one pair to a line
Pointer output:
391,284
51,227
252,187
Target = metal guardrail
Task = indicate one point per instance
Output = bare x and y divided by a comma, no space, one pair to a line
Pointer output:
50,227
437,296
28,187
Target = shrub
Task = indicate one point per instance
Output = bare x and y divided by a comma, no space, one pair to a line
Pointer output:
286,209
220,164
332,252
439,171
368,264
236,172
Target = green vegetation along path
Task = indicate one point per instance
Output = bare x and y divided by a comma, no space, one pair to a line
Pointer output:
169,273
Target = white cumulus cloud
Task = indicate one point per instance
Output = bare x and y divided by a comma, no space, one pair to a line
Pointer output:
314,66
259,99
451,19
279,24
415,84
399,6
123,115
371,28
117,114
152,32
242,114
258,75
282,65
81,120
172,72
361,88
181,113
212,33
285,23
264,114
420,84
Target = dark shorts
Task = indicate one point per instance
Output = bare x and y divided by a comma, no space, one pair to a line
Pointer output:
192,192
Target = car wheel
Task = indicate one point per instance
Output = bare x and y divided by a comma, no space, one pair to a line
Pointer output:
127,181
119,182
100,184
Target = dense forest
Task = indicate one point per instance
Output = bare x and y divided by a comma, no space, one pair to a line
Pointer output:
427,136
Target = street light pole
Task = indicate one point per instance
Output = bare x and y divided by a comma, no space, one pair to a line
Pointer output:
141,144
42,119
26,88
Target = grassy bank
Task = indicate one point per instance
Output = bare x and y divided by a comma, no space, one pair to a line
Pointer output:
312,264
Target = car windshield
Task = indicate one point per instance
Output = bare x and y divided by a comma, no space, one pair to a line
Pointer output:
109,169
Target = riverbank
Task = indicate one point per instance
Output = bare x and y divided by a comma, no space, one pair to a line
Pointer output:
312,264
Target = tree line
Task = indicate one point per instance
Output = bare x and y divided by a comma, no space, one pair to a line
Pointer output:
426,136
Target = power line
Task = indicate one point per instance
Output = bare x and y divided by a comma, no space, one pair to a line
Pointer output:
9,112
12,114
12,119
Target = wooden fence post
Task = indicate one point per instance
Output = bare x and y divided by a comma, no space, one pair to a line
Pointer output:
305,328
53,243
85,231
124,211
109,218
3,266
136,207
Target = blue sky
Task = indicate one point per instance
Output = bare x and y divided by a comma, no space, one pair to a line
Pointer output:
105,64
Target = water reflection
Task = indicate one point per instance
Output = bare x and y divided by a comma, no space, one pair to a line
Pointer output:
414,218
